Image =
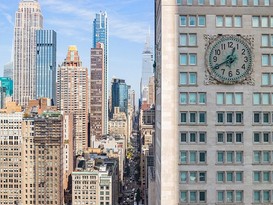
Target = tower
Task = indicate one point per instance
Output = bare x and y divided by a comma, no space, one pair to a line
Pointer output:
46,43
72,95
28,19
97,103
147,68
100,34
213,102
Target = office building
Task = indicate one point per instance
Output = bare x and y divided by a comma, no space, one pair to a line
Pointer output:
46,43
100,35
72,95
213,102
97,95
28,19
10,154
7,83
8,70
95,181
119,95
147,68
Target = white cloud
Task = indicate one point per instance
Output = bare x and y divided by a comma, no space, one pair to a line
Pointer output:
80,13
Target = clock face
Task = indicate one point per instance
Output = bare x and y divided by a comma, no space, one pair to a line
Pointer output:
229,59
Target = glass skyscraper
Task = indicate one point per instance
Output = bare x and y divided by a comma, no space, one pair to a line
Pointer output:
100,34
46,41
119,95
7,83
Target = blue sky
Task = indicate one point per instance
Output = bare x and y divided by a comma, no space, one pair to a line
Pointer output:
129,21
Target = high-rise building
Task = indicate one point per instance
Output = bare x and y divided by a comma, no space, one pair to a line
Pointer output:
147,68
72,95
97,94
100,35
28,19
213,102
7,83
46,43
119,95
10,155
8,70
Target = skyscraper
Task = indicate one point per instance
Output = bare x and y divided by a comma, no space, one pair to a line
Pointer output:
46,41
97,103
72,94
8,70
147,68
119,95
8,84
28,19
100,34
213,102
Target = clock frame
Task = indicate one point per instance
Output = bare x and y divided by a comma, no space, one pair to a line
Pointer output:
229,59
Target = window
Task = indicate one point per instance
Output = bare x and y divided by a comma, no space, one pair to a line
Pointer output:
202,117
266,196
228,157
229,196
192,59
201,2
183,20
192,177
202,98
192,20
219,21
201,21
257,197
192,196
223,2
257,156
256,117
266,2
188,59
265,79
233,2
245,2
183,117
192,78
220,98
229,117
255,21
228,21
256,2
183,98
229,98
193,117
220,196
188,78
220,176
188,40
239,196
265,40
183,196
256,176
192,98
265,60
264,21
183,137
211,2
256,137
178,2
189,2
237,21
193,157
183,177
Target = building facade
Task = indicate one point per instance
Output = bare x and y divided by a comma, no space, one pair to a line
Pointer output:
97,95
100,35
46,45
119,95
8,70
7,83
213,101
72,95
28,19
10,156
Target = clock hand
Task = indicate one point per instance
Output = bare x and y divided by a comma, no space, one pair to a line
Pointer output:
218,65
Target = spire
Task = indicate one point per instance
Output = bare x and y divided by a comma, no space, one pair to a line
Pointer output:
147,48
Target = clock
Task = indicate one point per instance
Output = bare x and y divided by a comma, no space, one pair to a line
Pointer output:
229,59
